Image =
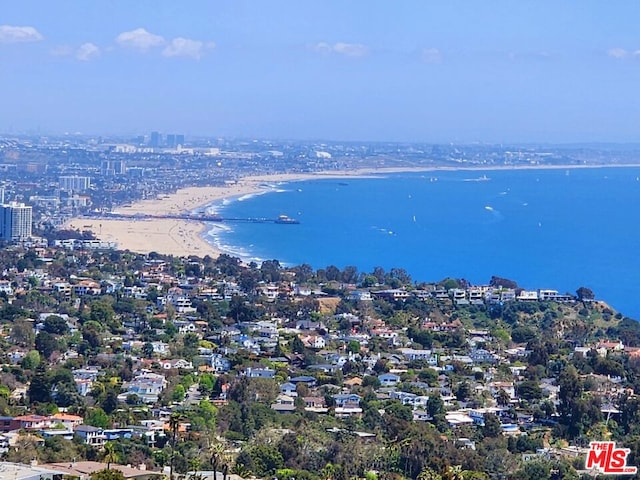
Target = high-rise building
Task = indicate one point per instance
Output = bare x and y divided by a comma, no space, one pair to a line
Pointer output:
119,167
106,169
171,140
74,182
15,221
2,190
180,139
155,139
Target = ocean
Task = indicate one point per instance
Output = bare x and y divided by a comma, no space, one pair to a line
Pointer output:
546,228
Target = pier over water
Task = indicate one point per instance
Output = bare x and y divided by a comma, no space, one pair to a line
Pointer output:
199,217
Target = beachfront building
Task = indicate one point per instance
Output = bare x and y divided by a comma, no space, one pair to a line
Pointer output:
15,221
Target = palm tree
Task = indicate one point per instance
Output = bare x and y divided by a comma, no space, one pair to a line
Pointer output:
328,472
454,472
429,474
217,458
174,423
110,454
240,470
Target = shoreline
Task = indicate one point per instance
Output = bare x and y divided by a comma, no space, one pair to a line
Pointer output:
186,237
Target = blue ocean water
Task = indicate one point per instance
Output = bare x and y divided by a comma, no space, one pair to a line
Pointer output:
559,229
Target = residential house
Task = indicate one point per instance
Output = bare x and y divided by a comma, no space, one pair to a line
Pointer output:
86,287
313,341
411,354
288,389
394,294
508,387
347,399
528,296
260,372
305,379
147,386
284,404
31,422
360,295
91,435
69,421
177,364
118,433
411,399
315,404
389,379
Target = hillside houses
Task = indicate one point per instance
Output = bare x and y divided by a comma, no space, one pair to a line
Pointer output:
159,342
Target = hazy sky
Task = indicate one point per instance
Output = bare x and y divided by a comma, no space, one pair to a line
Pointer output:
417,70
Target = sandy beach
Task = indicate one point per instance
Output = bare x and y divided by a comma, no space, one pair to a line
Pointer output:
185,237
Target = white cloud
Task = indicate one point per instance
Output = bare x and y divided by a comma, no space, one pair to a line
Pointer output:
431,55
186,47
61,51
87,51
139,39
617,52
322,47
341,48
13,34
351,49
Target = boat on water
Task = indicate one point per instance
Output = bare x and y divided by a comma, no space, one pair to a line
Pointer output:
284,219
483,178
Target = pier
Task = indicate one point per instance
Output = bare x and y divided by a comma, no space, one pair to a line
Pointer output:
282,219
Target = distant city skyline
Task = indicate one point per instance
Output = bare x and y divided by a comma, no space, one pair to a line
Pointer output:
417,71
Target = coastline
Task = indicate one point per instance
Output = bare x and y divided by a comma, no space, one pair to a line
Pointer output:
186,237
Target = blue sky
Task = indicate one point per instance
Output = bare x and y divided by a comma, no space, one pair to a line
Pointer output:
413,70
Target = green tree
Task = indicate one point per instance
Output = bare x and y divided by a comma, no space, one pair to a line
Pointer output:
353,346
502,398
584,293
428,474
464,391
56,325
530,390
570,390
107,475
147,350
110,454
435,405
206,384
297,346
264,460
178,393
40,387
31,360
102,313
492,426
46,344
535,470
22,333
97,418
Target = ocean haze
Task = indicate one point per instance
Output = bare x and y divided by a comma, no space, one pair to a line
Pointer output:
559,229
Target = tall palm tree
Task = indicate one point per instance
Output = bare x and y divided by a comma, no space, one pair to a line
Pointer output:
174,423
217,458
110,454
